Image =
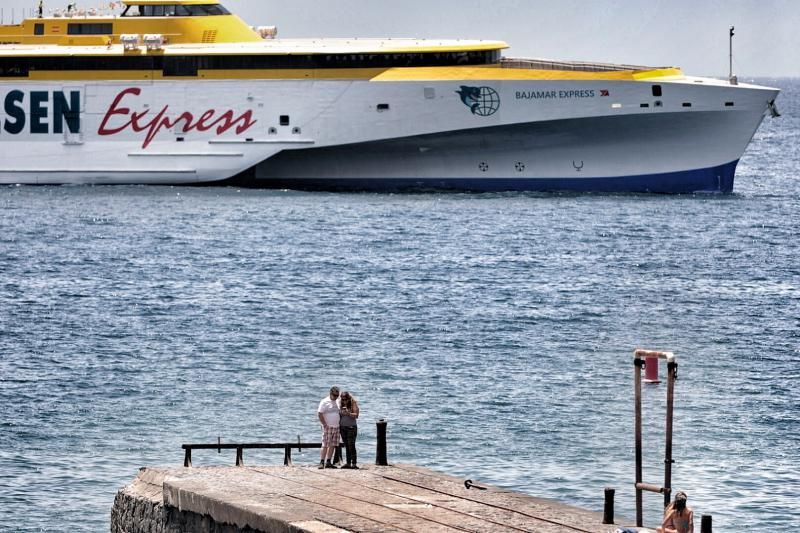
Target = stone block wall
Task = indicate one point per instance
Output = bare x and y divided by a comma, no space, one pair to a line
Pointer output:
139,508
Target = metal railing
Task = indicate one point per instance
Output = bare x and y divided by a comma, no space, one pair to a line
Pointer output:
287,447
569,66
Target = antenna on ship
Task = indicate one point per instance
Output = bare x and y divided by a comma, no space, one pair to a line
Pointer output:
733,79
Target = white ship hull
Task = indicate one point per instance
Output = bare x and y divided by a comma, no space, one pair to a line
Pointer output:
382,134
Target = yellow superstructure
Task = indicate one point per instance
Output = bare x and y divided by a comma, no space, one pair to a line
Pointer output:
200,39
171,18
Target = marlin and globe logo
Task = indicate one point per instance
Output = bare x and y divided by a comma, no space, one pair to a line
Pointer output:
482,101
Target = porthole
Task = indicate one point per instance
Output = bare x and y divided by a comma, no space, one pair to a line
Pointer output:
296,131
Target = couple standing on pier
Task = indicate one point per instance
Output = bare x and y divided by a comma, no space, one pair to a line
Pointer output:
338,415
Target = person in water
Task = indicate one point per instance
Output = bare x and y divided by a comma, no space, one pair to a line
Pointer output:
348,416
678,518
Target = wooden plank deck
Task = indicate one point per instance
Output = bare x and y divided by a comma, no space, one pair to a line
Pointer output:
400,498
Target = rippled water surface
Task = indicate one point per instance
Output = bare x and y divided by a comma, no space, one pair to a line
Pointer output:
495,332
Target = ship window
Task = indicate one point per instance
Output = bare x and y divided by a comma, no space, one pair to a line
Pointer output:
729,104
13,69
687,104
90,29
181,11
38,29
285,120
154,11
383,107
180,66
132,11
657,92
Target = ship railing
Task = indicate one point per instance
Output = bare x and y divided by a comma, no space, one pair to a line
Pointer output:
571,66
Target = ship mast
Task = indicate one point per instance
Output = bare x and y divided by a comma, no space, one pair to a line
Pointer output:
733,79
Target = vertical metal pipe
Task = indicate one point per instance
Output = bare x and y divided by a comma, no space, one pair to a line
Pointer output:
608,508
337,455
672,374
730,52
239,456
187,458
705,524
287,456
380,456
637,384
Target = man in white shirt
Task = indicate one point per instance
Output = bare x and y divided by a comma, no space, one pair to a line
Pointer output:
328,414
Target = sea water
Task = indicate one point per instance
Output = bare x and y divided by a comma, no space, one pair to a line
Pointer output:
494,332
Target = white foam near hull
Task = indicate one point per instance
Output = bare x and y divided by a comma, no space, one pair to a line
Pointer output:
374,135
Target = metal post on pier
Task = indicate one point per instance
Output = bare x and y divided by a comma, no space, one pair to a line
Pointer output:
380,456
608,508
705,524
637,385
640,356
672,375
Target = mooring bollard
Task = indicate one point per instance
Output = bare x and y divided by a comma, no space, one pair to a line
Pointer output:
608,509
380,456
705,524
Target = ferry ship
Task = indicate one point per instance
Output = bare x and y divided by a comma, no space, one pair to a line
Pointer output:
185,92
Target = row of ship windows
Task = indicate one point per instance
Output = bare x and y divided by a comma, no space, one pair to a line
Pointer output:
175,11
81,29
190,65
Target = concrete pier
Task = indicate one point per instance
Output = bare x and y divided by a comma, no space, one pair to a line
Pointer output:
267,499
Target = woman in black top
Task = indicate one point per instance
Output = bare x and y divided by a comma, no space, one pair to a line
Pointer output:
348,415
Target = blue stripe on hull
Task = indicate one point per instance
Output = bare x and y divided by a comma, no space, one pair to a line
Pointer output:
708,180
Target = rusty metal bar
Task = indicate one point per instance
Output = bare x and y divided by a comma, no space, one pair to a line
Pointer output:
672,375
637,384
646,354
650,488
